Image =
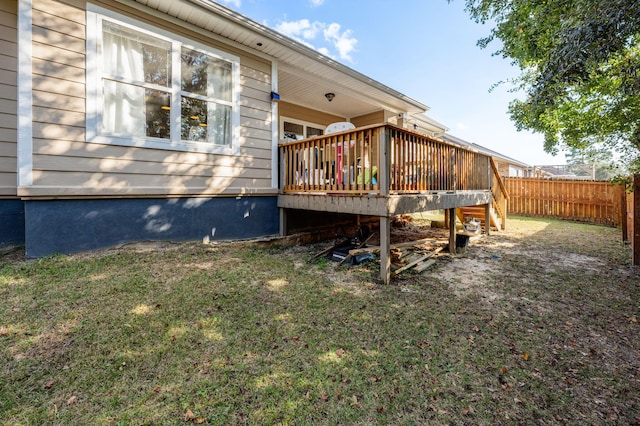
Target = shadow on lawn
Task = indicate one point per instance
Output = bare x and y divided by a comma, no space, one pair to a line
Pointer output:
245,335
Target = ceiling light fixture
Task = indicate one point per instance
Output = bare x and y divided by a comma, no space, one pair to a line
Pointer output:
329,96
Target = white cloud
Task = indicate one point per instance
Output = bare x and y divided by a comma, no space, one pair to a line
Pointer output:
306,32
342,41
302,28
236,3
316,3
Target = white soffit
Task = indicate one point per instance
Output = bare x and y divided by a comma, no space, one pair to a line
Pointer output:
293,57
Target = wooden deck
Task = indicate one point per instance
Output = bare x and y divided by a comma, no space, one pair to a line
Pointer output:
384,171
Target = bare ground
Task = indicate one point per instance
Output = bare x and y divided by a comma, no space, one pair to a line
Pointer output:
561,297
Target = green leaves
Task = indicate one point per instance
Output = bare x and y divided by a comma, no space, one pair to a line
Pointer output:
580,65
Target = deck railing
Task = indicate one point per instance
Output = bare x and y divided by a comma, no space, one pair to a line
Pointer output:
352,162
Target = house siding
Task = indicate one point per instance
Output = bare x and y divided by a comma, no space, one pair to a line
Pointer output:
11,208
8,98
369,119
85,195
64,164
297,112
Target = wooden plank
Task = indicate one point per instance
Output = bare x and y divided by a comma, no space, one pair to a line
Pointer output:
418,260
487,219
349,256
422,266
385,252
452,231
376,249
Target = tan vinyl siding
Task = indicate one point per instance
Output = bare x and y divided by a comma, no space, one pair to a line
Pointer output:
8,97
65,165
369,119
308,115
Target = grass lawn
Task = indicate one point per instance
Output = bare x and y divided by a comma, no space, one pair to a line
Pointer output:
536,325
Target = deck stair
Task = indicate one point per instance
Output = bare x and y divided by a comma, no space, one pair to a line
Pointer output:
478,213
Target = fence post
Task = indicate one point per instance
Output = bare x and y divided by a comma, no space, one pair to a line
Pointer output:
635,241
622,199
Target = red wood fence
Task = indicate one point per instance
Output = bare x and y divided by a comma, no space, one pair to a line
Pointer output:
586,201
579,200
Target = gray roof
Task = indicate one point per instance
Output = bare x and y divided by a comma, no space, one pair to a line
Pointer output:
456,140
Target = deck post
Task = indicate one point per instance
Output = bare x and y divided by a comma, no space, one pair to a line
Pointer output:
487,218
385,162
452,231
624,223
385,249
385,221
283,222
503,225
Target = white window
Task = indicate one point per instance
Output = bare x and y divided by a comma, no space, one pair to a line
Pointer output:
295,130
157,90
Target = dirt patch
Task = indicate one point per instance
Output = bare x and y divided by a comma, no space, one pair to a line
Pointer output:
12,255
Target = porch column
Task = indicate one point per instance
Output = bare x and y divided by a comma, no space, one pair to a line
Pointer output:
452,231
385,249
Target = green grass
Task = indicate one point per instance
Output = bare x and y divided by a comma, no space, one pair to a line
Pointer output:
240,334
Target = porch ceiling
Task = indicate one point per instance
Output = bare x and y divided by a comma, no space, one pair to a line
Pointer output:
297,89
304,76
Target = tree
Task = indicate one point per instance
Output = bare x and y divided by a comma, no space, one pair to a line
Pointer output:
580,62
594,161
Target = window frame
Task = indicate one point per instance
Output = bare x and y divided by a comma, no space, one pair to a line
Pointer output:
304,124
94,92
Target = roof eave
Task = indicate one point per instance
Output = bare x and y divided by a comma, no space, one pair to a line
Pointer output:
413,105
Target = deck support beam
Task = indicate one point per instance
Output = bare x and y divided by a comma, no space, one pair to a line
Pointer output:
487,219
283,222
452,231
385,249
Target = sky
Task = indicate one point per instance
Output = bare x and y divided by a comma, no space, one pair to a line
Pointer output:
425,49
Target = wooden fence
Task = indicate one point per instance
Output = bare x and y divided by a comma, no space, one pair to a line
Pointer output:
584,201
631,227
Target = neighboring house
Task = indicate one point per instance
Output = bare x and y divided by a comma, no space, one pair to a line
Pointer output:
507,166
139,120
